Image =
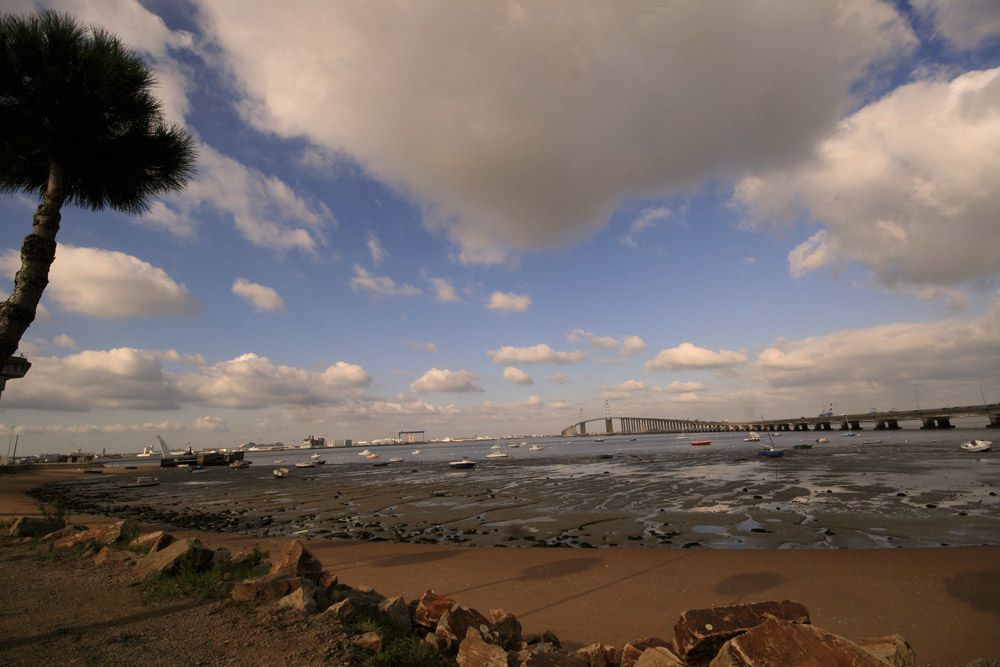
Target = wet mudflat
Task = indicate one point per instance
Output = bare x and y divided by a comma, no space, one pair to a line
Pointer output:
910,490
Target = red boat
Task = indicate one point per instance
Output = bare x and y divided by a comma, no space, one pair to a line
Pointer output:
701,443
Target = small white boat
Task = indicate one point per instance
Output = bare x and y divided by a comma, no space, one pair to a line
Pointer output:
515,444
464,463
372,455
415,452
753,437
280,473
534,448
305,464
598,439
279,460
822,441
496,445
395,459
364,453
497,455
849,434
315,458
977,445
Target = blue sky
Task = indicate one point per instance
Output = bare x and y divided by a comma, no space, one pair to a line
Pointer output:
481,218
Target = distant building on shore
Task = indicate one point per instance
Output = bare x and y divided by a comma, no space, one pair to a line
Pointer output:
339,442
312,442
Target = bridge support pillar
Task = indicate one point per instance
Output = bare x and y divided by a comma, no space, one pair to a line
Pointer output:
994,421
856,425
844,426
927,423
583,428
944,422
609,428
823,426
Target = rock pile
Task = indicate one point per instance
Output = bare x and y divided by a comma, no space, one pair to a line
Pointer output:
746,635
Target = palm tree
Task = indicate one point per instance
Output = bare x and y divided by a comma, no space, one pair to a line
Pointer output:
78,125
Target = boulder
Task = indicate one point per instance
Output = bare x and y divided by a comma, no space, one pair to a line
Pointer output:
266,588
892,648
63,532
189,554
454,625
397,613
32,526
699,633
430,608
779,642
474,652
659,656
296,561
370,641
506,628
117,533
109,556
156,541
599,655
301,599
554,659
349,609
328,580
632,650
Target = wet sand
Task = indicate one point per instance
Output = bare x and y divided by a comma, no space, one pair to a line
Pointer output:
945,601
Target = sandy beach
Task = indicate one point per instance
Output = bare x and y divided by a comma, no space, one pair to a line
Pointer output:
943,600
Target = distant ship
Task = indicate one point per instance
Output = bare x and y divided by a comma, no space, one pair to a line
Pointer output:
146,453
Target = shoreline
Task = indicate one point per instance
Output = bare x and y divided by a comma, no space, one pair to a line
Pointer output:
945,601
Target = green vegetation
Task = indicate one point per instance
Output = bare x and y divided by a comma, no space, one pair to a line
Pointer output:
54,509
399,648
212,583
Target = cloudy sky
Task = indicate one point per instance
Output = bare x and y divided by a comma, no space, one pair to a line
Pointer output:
486,217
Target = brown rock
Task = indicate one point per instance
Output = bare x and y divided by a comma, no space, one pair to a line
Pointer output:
370,641
554,659
632,650
301,599
109,556
433,641
778,642
599,655
68,531
699,633
349,608
32,526
892,648
119,532
297,561
506,628
396,612
151,542
455,623
659,656
328,580
474,652
188,554
266,588
430,607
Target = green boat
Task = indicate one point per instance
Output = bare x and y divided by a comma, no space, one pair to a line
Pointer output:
802,445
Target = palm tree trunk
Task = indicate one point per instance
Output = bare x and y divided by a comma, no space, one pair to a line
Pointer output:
38,251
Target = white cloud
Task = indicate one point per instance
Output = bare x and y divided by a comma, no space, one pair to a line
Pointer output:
491,156
443,290
647,218
558,378
678,387
534,354
265,210
688,356
416,345
625,389
379,286
444,380
209,423
65,341
964,24
508,302
262,298
628,345
375,249
108,284
905,186
252,381
516,376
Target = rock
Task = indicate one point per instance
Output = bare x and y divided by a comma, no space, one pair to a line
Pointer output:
454,625
297,561
506,628
68,531
301,599
328,580
554,659
433,641
266,588
659,656
892,648
119,532
109,556
699,633
632,650
550,637
151,542
349,609
31,526
397,613
599,655
370,641
779,642
430,607
474,652
189,554
221,557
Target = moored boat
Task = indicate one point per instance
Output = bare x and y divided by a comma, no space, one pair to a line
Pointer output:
534,448
395,459
280,473
802,445
753,437
497,455
771,452
305,464
463,463
700,443
822,441
977,445
142,481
